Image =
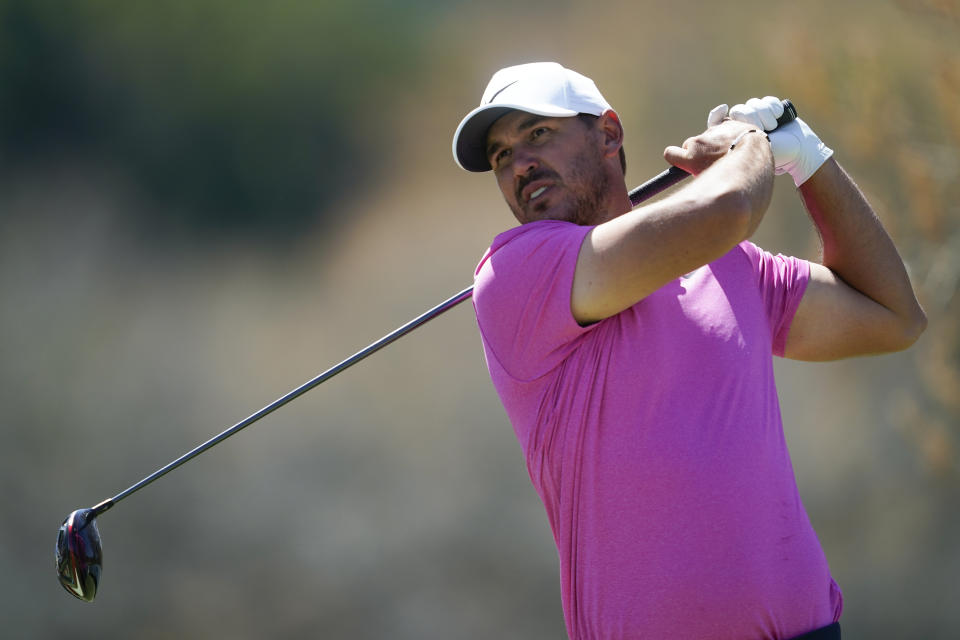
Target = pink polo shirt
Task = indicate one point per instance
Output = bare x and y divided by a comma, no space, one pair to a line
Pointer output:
655,441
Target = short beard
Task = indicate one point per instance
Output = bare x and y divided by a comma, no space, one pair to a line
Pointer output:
588,204
586,173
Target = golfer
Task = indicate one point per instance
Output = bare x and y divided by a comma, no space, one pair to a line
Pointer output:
632,351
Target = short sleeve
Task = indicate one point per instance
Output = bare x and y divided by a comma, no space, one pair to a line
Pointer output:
782,281
521,297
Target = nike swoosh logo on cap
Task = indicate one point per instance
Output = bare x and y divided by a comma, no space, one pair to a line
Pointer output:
494,96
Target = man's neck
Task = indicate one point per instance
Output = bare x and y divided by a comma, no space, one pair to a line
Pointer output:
619,204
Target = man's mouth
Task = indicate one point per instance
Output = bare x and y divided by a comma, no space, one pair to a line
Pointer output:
533,189
535,184
536,193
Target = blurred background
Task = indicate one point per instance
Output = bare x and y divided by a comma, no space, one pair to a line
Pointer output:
205,203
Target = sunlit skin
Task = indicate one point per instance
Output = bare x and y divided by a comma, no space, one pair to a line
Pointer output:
559,168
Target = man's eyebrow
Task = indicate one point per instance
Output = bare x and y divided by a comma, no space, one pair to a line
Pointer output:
526,123
529,122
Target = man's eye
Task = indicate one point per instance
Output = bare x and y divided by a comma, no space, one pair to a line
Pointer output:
501,155
539,131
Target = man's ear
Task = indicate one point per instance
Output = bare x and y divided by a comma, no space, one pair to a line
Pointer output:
612,130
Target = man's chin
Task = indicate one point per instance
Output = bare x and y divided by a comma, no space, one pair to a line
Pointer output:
547,211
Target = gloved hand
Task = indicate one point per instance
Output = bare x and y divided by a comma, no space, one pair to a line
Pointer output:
796,148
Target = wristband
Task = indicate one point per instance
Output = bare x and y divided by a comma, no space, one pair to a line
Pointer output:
737,140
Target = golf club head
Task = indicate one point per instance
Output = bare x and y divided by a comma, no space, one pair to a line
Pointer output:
79,555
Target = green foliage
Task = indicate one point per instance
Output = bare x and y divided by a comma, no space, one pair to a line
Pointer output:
229,116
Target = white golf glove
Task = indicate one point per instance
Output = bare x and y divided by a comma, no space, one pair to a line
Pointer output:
796,148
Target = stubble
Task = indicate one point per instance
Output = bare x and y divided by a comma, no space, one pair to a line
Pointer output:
587,187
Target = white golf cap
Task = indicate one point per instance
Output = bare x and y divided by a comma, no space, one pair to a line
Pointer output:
542,88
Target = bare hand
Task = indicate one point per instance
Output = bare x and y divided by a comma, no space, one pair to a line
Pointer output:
701,151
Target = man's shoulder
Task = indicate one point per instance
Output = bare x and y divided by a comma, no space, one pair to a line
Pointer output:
521,243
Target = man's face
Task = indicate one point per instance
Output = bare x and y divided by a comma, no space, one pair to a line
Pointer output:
548,168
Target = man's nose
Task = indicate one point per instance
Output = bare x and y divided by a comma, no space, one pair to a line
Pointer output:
524,160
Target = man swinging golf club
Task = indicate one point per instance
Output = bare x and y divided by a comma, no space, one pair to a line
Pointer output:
632,350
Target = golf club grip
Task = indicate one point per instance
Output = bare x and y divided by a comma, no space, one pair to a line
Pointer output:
673,175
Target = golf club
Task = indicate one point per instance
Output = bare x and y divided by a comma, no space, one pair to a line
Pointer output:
79,553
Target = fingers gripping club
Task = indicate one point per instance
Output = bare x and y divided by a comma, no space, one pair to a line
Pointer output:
673,175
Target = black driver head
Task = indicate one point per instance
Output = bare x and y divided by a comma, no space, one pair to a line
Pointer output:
79,554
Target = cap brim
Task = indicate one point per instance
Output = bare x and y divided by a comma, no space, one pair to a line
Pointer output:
470,140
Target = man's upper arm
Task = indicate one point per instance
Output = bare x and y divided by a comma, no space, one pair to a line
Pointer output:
629,257
624,260
834,320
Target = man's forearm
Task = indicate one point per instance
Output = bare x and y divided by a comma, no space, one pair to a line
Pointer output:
857,248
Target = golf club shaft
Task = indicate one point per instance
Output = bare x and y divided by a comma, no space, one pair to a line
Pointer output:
647,190
299,391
